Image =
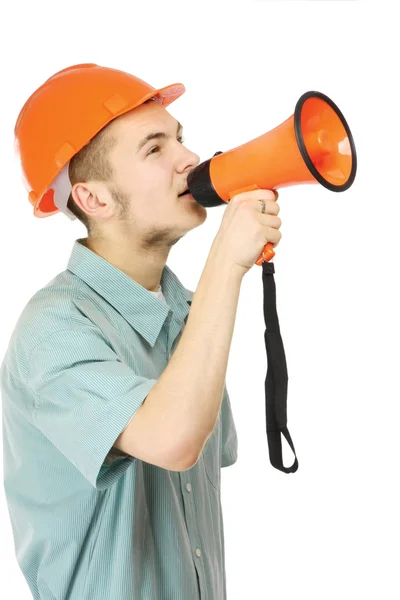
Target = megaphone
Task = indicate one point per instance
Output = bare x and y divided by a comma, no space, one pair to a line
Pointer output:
314,145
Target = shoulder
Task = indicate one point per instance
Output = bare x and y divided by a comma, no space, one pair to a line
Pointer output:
64,303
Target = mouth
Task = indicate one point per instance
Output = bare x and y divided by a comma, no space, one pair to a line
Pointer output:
184,193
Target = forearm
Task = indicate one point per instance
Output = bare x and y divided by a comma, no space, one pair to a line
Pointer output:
187,397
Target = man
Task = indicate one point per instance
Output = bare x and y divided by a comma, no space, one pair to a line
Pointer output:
116,417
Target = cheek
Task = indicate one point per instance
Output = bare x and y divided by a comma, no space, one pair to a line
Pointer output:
155,179
127,178
150,184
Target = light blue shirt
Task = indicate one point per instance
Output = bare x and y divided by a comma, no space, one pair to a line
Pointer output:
90,522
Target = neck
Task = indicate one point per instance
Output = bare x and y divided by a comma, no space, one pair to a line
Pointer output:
142,266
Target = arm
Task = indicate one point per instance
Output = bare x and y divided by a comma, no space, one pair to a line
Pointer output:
173,424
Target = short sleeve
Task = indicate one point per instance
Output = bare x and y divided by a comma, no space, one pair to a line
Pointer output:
84,398
229,440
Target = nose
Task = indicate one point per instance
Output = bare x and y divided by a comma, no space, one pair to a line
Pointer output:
188,160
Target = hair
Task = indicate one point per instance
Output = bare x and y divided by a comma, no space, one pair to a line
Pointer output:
92,163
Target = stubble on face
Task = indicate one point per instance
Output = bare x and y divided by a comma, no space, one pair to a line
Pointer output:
159,238
156,236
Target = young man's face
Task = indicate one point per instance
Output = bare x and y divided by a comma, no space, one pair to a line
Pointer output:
153,173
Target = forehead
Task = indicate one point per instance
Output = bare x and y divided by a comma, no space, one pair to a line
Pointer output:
142,120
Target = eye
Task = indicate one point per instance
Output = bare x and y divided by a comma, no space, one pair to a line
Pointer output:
154,148
180,139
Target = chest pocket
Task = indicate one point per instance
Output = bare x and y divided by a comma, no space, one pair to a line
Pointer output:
212,456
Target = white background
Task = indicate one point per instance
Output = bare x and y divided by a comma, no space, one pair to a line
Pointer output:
331,530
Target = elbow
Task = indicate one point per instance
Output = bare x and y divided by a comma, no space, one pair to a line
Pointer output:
187,454
185,459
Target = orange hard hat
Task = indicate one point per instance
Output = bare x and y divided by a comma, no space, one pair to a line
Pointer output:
63,115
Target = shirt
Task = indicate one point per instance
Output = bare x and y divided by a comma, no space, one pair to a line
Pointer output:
88,521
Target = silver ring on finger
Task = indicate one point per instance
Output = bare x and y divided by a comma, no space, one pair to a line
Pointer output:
263,206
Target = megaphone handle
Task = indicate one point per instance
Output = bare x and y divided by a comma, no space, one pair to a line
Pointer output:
268,253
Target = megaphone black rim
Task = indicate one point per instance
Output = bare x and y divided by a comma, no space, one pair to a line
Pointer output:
302,147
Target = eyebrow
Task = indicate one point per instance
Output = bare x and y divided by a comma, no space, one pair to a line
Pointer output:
156,135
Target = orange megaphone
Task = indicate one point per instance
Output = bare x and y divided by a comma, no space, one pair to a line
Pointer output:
314,145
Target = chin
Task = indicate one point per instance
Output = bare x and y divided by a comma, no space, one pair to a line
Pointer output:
201,211
201,215
195,221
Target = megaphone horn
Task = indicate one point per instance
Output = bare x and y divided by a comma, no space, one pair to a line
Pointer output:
314,145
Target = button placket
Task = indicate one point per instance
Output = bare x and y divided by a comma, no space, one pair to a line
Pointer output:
192,527
167,327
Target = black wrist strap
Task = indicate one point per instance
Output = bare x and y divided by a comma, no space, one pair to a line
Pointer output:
276,381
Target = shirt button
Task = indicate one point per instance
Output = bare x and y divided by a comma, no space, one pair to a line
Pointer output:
188,487
198,552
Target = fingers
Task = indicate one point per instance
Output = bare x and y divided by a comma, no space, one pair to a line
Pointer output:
269,196
274,221
271,207
274,236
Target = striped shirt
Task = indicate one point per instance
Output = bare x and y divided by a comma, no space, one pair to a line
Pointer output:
88,521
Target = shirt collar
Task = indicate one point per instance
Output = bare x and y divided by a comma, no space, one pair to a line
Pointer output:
143,310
